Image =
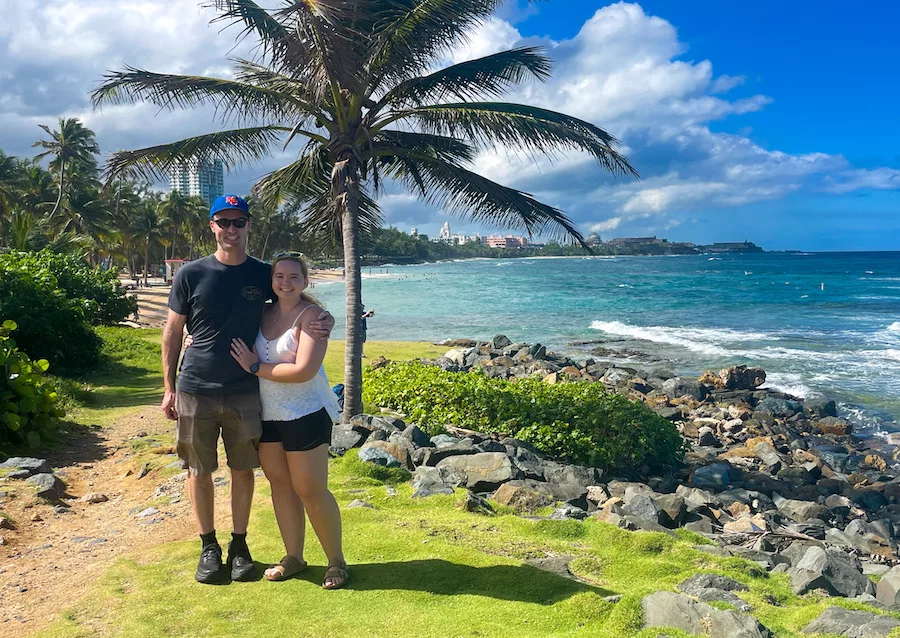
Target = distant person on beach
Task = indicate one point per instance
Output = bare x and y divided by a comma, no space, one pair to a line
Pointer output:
365,325
218,298
298,411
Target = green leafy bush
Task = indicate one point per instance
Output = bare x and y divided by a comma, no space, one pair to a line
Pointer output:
577,422
96,292
28,402
50,325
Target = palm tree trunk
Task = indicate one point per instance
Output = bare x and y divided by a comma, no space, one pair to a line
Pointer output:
353,279
266,244
62,174
146,261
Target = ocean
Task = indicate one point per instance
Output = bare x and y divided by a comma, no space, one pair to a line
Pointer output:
819,324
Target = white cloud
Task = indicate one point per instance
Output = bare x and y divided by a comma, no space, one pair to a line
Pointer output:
724,83
610,224
624,70
878,179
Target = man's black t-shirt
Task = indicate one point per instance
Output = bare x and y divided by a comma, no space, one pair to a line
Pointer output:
221,302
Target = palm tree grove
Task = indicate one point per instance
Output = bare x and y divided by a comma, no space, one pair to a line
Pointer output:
356,90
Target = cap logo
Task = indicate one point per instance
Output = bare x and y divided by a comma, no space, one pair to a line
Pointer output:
231,200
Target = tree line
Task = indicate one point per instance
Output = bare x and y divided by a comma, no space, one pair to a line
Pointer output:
65,206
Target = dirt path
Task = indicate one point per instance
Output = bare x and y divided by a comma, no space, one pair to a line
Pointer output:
51,559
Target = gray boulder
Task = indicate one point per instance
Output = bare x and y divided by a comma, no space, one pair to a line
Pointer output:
716,476
742,378
888,589
767,454
782,408
837,621
344,438
444,440
679,387
800,511
831,570
527,494
379,456
642,507
427,481
674,509
820,407
668,609
484,472
695,498
500,341
47,486
30,466
698,582
416,436
578,474
433,456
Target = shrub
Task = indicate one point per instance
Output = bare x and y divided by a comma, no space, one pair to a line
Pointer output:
50,325
28,402
577,422
96,292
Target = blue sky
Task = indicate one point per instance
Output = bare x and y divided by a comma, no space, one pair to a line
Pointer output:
770,121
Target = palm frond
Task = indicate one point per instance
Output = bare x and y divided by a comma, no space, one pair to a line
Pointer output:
490,76
273,35
437,146
300,181
236,147
462,192
413,34
519,126
320,219
240,100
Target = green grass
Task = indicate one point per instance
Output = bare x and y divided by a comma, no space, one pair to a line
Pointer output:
130,376
418,567
392,350
423,568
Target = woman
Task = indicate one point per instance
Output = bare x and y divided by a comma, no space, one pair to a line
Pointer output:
298,410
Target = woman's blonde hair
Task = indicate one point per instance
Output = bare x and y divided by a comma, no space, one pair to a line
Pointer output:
297,258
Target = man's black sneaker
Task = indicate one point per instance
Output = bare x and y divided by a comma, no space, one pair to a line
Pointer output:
242,566
210,567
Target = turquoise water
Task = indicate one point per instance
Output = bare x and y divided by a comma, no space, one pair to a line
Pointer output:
818,323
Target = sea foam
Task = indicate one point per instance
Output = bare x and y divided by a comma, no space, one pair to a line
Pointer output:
703,340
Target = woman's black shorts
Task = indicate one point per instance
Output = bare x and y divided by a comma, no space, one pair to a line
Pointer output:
300,435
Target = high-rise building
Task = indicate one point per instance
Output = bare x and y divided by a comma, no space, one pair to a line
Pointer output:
206,179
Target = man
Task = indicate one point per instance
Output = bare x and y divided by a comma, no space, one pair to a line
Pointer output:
218,297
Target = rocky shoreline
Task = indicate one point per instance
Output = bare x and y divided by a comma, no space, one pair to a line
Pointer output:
768,477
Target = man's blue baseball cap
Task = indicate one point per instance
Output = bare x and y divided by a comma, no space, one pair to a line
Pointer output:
229,202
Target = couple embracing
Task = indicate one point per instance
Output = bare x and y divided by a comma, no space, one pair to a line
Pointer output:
253,373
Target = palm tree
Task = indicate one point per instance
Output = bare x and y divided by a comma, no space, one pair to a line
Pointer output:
196,221
148,229
10,182
73,142
175,209
351,80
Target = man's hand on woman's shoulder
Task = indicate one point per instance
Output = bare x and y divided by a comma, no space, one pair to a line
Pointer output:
321,326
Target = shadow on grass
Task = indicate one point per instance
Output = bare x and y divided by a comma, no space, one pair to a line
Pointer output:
119,385
521,583
68,444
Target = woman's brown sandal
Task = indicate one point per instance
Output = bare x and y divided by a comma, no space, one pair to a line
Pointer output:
335,573
289,565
